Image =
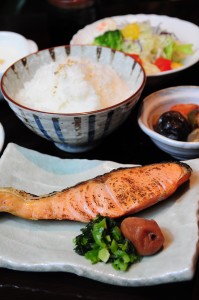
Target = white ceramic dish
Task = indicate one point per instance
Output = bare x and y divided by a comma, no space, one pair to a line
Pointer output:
13,46
157,103
189,34
47,245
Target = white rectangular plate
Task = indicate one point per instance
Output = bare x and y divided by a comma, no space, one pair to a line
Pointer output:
48,245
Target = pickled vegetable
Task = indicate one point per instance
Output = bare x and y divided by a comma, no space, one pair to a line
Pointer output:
193,136
173,125
193,118
102,241
184,108
145,235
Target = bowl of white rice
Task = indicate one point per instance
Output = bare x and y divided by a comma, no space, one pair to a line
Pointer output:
73,95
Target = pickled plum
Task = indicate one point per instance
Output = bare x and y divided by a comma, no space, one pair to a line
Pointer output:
145,235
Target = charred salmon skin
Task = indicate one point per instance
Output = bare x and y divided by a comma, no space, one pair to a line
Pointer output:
115,194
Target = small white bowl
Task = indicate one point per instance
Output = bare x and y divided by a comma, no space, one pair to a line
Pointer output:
13,46
2,136
157,103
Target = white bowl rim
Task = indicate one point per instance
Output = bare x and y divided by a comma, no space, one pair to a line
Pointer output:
149,16
139,90
155,135
12,33
32,46
2,136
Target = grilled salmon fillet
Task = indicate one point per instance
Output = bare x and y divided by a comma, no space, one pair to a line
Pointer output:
115,194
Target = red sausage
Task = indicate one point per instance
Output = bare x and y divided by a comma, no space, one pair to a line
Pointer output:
145,235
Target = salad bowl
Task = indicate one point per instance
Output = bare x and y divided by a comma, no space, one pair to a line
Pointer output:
143,35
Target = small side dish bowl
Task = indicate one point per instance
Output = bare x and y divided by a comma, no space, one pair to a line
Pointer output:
75,131
2,136
13,46
159,102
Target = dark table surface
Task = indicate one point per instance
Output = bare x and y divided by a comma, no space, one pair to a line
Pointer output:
37,21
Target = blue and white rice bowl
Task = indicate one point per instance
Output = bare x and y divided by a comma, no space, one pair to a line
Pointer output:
74,132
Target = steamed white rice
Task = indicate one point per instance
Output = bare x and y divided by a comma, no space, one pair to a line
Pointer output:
73,86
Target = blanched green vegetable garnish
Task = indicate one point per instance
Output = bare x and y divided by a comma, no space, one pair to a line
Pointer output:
102,241
112,39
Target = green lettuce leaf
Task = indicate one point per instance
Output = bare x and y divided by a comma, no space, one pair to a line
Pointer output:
184,48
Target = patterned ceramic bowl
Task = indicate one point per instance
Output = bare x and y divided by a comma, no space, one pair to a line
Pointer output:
155,105
74,132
